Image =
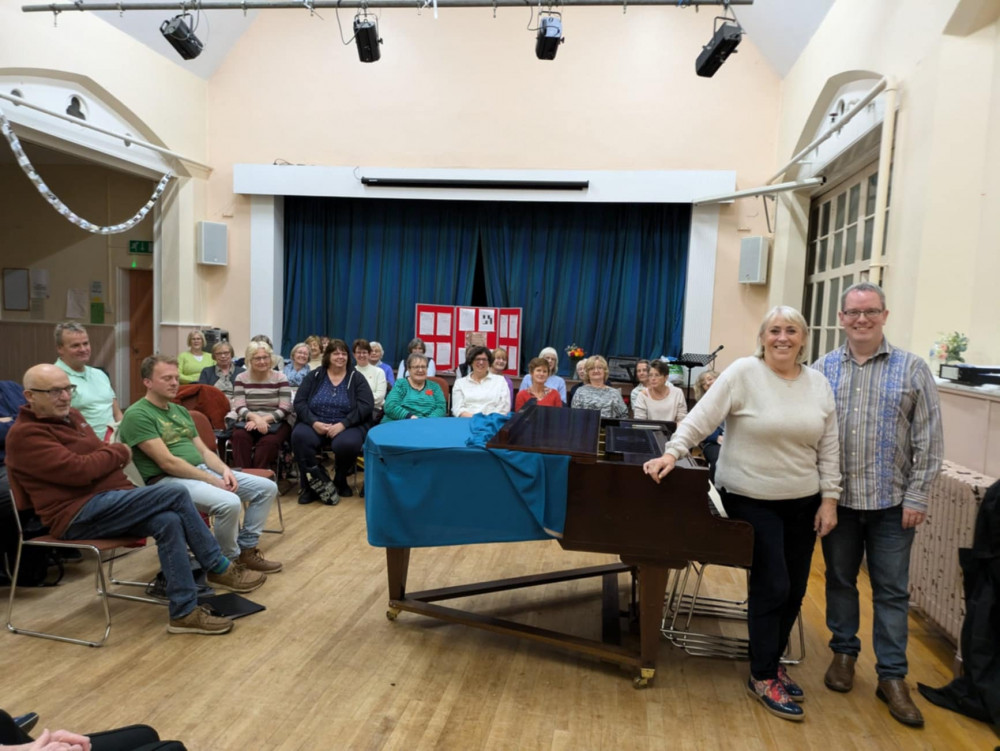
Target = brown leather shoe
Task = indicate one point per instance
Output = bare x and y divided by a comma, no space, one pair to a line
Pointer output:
896,694
840,675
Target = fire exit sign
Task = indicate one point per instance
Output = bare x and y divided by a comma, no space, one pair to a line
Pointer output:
140,247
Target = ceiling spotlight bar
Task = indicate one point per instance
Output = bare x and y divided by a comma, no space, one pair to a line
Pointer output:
189,6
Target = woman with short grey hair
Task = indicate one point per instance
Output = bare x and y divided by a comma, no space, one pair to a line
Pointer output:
416,345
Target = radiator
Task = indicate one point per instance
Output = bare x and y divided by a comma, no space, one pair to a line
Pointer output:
935,576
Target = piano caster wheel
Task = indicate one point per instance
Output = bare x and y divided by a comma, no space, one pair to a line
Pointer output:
645,676
392,613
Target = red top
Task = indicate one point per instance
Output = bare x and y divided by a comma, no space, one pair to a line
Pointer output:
551,399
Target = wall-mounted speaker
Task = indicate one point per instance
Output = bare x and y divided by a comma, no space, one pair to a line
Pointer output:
213,244
753,260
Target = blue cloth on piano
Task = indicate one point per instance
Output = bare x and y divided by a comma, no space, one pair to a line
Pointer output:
425,487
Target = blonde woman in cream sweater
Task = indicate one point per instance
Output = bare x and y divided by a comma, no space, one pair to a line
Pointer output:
779,470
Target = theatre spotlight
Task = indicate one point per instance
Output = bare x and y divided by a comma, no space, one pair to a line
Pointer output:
181,37
723,44
549,36
366,36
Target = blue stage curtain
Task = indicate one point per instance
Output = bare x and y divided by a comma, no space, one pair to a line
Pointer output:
358,267
608,277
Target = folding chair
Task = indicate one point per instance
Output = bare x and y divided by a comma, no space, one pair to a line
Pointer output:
682,606
207,435
109,546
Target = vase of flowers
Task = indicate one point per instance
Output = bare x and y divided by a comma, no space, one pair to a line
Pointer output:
575,353
949,348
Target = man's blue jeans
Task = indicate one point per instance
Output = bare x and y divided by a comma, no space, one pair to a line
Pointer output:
878,535
164,512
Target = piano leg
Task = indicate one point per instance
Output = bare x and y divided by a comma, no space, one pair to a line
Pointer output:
652,588
397,566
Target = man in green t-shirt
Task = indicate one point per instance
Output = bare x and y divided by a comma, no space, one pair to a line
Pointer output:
168,449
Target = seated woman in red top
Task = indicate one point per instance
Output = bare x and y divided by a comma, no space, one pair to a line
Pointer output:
538,369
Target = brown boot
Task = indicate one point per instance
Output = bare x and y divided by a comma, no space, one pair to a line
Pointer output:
252,559
896,694
840,675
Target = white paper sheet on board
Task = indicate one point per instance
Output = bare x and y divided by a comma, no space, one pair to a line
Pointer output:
503,326
512,326
443,324
443,359
512,357
430,350
426,324
466,319
487,319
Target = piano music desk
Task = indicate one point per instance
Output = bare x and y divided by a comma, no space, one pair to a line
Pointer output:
426,488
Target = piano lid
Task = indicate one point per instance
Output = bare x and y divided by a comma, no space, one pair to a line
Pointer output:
551,430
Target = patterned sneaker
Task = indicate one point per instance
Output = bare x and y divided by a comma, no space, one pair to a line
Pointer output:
320,483
793,689
771,693
252,559
237,578
200,621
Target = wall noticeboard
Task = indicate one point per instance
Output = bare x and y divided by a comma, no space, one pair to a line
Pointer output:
16,289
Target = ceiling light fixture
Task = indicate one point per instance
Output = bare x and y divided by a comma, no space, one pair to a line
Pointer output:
181,37
366,37
549,35
723,43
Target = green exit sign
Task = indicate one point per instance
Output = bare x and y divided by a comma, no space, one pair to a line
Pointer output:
140,247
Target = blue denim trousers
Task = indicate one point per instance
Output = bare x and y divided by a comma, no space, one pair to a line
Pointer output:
164,512
224,507
879,536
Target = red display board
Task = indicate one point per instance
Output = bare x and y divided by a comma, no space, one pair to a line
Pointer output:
492,327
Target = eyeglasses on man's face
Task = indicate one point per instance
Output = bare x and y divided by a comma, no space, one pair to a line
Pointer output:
56,392
869,313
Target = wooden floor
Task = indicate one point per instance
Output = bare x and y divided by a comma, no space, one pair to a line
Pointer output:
323,668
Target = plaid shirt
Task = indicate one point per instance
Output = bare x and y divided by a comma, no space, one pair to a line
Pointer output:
890,427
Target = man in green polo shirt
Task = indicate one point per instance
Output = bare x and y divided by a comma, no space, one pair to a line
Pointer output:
94,396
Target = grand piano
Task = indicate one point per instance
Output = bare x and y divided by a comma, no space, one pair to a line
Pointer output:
545,473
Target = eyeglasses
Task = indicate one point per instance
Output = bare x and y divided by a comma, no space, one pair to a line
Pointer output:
869,313
482,359
56,392
419,367
262,358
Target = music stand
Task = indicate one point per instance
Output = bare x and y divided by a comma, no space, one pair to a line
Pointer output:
690,362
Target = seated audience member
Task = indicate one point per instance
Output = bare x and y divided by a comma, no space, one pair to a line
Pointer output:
131,738
76,485
472,339
297,366
415,396
416,345
315,352
262,404
581,375
372,373
168,451
659,400
324,341
279,361
499,366
596,394
712,445
554,381
223,373
376,359
94,396
334,405
191,363
641,374
480,392
538,369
